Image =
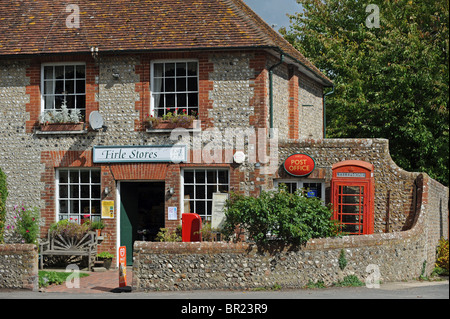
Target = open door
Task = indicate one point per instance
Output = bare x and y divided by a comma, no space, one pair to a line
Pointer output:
141,213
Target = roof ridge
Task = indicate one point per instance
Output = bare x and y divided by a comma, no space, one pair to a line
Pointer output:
268,33
251,22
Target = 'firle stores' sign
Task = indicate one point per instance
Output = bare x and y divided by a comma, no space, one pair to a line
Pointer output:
299,165
139,154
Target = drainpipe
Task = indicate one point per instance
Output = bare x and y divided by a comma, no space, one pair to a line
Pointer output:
271,92
325,112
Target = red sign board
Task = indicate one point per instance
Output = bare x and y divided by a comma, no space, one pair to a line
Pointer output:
299,165
122,266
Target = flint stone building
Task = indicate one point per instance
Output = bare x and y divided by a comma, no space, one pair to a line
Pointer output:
128,61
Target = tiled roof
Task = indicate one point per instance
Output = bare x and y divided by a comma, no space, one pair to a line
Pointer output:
39,27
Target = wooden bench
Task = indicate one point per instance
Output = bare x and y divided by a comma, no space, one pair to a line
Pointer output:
62,246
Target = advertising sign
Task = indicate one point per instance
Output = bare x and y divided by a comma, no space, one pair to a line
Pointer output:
122,266
299,165
107,209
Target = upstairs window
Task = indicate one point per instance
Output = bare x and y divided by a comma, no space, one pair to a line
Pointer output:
174,88
64,83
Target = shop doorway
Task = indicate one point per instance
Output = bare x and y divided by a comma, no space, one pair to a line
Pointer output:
141,213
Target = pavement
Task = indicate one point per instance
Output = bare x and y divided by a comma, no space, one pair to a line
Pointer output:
105,285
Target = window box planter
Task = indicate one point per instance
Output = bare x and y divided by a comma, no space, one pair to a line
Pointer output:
62,127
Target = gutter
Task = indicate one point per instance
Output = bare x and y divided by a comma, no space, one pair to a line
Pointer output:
325,112
271,92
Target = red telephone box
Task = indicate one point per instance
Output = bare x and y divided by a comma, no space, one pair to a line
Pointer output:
191,227
352,188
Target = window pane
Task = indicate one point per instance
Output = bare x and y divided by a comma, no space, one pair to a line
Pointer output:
169,69
59,72
69,72
85,191
81,86
81,103
48,87
95,176
192,84
210,190
181,69
188,177
48,72
181,85
212,176
74,191
95,191
192,68
63,176
59,87
189,191
169,84
193,99
181,101
81,72
170,102
158,69
74,177
199,177
63,191
223,177
200,192
63,206
84,176
95,207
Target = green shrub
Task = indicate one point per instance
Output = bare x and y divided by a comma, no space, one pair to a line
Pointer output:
349,281
166,235
52,277
27,223
279,215
442,256
3,196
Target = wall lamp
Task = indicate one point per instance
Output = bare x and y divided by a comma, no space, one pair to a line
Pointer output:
170,191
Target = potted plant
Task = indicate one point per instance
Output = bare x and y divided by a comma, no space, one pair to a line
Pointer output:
61,120
171,120
97,226
106,257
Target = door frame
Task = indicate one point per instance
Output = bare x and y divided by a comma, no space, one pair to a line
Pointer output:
118,205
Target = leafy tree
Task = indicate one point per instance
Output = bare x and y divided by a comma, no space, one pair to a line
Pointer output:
390,81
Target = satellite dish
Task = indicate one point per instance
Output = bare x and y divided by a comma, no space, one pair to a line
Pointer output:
96,120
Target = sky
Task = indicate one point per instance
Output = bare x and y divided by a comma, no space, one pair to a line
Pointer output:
274,12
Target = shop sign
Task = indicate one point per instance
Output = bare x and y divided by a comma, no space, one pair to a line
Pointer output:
140,154
299,165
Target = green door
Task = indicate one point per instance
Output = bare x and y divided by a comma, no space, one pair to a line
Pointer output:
128,218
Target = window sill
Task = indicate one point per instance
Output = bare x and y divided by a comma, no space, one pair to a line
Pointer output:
169,130
46,133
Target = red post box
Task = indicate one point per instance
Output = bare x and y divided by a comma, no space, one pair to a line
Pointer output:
191,227
353,189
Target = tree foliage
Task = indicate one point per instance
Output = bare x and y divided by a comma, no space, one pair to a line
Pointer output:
390,82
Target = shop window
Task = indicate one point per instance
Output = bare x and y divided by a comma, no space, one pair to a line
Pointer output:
311,188
199,185
63,83
78,194
174,88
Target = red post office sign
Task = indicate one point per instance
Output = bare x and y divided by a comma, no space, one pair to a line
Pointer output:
299,165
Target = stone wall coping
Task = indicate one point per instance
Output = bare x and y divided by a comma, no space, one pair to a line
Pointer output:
17,247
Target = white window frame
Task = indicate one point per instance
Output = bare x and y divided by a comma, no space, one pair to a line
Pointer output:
207,217
152,83
43,65
300,182
97,215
